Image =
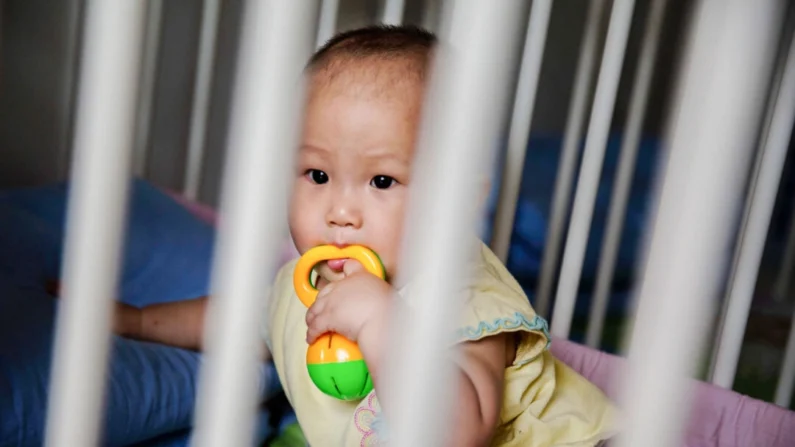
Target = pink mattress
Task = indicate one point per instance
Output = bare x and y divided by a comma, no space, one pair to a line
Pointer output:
718,417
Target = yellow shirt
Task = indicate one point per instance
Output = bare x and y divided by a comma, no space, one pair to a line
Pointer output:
545,402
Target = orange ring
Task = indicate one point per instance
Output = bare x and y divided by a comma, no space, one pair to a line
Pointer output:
303,269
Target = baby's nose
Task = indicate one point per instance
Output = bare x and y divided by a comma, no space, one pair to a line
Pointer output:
344,212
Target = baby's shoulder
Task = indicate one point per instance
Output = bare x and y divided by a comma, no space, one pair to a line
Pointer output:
495,303
489,282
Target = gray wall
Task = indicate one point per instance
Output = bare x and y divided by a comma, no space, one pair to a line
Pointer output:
173,92
39,38
38,61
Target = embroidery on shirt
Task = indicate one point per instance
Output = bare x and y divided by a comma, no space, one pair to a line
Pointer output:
367,419
519,320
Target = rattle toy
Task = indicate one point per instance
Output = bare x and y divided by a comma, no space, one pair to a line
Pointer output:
335,364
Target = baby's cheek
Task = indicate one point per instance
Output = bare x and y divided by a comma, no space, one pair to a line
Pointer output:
387,218
393,255
302,231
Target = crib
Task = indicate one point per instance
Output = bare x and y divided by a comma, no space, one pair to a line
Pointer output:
641,171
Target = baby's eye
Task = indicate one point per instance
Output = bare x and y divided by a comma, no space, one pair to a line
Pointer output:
382,182
317,176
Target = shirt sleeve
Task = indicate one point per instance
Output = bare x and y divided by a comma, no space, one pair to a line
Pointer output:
495,303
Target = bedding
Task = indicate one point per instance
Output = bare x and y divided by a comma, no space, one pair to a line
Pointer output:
535,200
716,417
151,387
533,211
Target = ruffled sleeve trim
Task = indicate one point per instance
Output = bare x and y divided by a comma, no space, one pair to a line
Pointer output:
534,330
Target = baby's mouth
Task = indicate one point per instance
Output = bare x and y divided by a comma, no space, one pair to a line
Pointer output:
336,265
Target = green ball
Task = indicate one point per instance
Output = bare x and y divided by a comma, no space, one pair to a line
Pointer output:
342,380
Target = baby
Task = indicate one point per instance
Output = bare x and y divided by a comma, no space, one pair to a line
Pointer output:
354,169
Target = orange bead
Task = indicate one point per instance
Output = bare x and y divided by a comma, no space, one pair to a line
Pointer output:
332,348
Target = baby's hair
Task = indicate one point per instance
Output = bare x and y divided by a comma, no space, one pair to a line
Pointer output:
377,43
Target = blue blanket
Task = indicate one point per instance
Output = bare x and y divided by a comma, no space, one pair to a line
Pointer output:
151,388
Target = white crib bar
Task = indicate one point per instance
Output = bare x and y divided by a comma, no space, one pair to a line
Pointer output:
591,168
327,23
626,168
393,12
521,120
100,177
752,243
202,90
722,91
151,53
561,196
785,272
277,39
467,86
786,378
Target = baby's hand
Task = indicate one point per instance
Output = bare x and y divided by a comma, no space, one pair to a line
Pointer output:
349,305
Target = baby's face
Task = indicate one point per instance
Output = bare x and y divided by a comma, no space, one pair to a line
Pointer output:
353,172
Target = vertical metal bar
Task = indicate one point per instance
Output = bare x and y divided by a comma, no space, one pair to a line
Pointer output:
393,12
721,94
276,41
786,379
467,86
561,196
784,277
151,52
327,24
202,89
521,120
762,200
97,205
431,9
591,169
626,169
69,81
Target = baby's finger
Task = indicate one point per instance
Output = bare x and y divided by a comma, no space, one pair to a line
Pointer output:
312,336
318,327
310,318
352,266
327,275
316,309
328,288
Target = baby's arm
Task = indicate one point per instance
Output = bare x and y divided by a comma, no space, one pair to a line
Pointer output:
480,376
179,323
